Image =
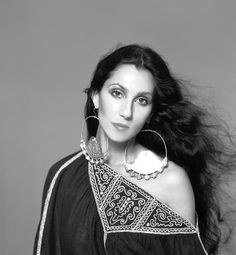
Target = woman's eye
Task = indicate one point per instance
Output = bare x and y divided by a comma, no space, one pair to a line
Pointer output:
116,93
142,101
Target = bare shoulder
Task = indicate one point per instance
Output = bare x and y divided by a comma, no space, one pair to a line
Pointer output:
178,191
173,188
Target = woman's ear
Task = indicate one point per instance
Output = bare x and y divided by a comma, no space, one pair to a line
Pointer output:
95,98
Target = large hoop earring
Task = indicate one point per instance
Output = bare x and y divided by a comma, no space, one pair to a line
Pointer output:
142,167
92,149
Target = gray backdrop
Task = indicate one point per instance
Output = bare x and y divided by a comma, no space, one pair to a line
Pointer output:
48,50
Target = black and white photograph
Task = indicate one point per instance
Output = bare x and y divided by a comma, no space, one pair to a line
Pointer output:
118,127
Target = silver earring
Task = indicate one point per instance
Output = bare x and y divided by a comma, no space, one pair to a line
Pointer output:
146,165
92,149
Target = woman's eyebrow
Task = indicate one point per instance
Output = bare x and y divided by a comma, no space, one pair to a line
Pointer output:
140,93
118,84
144,93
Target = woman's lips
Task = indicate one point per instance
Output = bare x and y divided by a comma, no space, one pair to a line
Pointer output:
120,126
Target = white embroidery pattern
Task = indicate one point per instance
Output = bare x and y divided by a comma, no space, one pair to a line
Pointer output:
147,217
47,200
123,206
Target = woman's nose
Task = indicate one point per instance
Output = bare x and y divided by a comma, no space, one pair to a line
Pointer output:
126,110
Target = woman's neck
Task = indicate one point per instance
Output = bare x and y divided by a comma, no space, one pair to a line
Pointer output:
116,150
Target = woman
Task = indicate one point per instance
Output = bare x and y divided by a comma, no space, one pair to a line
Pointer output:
144,182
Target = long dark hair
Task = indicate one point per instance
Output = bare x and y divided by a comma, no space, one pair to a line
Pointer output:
193,142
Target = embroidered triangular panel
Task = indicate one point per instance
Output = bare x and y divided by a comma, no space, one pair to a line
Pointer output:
123,206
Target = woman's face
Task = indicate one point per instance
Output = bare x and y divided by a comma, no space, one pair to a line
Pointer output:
125,102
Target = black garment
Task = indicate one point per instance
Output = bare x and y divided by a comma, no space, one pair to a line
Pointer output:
92,210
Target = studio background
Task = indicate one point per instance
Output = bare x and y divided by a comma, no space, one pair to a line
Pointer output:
48,52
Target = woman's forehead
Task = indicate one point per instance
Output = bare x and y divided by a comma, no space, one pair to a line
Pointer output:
130,77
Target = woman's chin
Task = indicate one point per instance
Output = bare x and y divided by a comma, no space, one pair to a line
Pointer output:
119,140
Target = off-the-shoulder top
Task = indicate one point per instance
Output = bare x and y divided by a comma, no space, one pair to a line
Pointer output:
93,210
